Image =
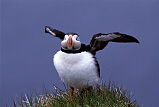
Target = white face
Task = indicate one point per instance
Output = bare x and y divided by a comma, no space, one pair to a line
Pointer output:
71,42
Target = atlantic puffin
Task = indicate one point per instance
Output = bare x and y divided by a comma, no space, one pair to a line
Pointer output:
76,63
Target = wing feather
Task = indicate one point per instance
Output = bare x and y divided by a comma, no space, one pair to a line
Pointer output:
99,41
54,32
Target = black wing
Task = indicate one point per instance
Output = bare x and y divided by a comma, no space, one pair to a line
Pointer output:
54,32
99,41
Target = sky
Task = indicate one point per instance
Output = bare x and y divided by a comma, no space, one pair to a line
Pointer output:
27,52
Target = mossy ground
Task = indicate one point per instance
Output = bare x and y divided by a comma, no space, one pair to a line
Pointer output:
110,95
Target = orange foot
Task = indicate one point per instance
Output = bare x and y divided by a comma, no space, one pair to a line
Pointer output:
69,99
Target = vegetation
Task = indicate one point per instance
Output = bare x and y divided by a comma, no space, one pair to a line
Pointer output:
110,95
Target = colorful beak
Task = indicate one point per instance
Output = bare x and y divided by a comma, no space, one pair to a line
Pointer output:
69,42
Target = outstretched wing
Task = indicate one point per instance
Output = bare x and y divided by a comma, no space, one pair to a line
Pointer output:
99,41
54,32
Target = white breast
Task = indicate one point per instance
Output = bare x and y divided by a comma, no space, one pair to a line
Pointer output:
77,70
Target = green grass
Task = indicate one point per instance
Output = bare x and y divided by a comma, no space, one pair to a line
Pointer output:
110,95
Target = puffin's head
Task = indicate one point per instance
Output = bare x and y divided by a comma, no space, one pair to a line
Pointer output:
71,42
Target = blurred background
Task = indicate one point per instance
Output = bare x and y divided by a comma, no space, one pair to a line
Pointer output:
27,52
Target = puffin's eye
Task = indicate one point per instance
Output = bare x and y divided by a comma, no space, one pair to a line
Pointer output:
77,38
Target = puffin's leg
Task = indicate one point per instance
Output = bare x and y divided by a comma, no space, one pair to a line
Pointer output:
72,90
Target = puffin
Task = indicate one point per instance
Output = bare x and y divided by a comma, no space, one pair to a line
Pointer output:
76,63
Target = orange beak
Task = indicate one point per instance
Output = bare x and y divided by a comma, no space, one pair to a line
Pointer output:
69,43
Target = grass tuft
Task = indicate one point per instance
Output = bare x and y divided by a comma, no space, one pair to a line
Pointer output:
110,95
